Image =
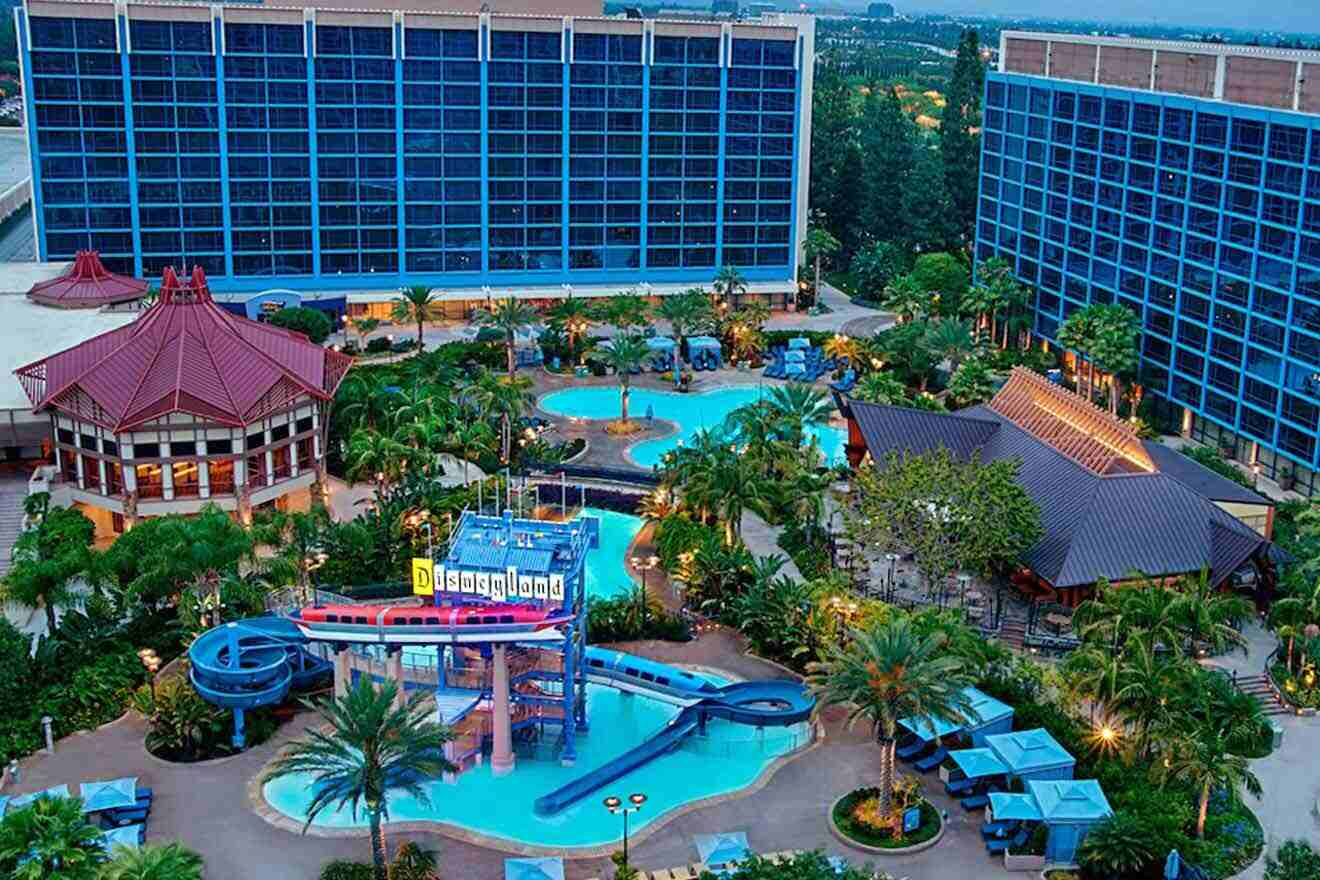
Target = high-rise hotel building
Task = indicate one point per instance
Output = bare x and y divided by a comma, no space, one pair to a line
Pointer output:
321,146
1183,181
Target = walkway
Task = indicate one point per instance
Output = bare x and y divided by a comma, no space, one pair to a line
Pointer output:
206,805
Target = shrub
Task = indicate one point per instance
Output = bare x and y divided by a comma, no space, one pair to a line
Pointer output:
342,869
620,619
312,323
378,345
1208,458
1295,860
1120,846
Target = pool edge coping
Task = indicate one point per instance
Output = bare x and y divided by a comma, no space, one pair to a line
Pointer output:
274,817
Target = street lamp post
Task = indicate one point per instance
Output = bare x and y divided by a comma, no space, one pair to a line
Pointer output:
616,805
151,663
893,575
644,565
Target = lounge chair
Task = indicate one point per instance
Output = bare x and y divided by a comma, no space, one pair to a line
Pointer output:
682,872
1001,845
995,830
959,787
908,752
975,802
931,761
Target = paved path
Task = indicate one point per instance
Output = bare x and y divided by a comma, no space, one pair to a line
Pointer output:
206,806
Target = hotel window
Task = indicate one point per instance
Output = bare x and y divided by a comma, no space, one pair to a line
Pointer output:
150,482
186,476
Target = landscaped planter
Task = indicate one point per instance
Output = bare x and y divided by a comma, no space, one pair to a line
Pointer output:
850,841
1023,863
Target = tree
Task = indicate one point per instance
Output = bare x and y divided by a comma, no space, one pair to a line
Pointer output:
1114,346
1121,845
415,304
944,278
1203,758
880,387
373,749
836,160
364,327
170,861
950,339
819,246
961,120
729,283
312,323
929,223
886,136
905,298
1208,616
376,456
1077,334
48,560
877,264
888,673
50,839
797,407
469,440
1295,860
505,398
972,382
510,317
628,313
685,311
1291,614
624,354
903,348
571,317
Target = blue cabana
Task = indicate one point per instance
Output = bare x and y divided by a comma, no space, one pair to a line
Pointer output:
985,716
662,353
1006,807
721,849
705,352
534,869
23,800
127,835
978,763
799,342
109,794
1032,754
1069,808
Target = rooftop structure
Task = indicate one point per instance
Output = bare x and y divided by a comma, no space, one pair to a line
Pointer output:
87,285
544,559
1111,505
187,404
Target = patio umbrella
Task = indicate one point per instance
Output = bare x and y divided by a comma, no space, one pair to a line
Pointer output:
720,849
1172,865
125,836
534,869
109,794
23,800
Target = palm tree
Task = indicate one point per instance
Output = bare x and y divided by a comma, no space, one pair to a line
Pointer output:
1209,616
415,304
906,299
817,246
878,387
799,406
375,455
888,673
1146,682
950,339
731,486
1203,758
843,347
1077,334
684,311
364,327
729,283
170,861
627,312
1123,845
510,317
1097,673
469,440
374,749
502,397
624,354
50,838
48,561
971,383
1291,614
571,317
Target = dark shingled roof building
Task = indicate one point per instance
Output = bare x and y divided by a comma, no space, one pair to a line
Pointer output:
1111,503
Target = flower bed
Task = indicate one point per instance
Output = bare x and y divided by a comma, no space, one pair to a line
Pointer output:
871,838
1294,690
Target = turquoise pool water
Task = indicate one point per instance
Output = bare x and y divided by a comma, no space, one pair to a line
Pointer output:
728,758
692,412
607,574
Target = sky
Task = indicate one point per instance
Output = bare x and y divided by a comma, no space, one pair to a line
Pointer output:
1276,15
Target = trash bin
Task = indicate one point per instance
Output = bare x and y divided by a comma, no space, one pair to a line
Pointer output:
1276,734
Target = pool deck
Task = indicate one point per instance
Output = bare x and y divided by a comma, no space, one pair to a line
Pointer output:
206,805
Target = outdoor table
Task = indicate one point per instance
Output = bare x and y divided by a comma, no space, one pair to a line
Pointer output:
1058,621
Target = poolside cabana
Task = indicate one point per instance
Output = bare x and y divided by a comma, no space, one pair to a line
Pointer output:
18,802
986,716
1007,807
546,868
662,353
979,763
1032,754
799,342
705,352
1070,808
109,794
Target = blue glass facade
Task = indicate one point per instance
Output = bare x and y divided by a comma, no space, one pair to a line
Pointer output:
329,155
1202,217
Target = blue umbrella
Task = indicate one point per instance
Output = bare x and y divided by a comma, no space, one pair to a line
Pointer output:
1172,865
124,836
720,849
109,794
23,800
534,869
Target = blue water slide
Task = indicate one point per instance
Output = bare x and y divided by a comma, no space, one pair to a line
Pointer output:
251,663
757,703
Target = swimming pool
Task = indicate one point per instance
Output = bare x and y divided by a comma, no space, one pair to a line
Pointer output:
730,757
607,572
691,412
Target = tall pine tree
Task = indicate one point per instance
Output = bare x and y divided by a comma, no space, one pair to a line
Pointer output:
928,221
835,160
886,136
958,144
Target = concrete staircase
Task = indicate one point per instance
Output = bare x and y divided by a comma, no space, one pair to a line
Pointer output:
1013,630
1257,687
12,493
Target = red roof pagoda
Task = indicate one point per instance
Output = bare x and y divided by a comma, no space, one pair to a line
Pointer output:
87,285
185,354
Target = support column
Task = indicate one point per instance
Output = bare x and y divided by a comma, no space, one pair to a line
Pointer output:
203,471
343,672
394,669
501,758
568,754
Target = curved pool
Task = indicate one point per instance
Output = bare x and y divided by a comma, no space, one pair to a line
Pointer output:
607,569
691,412
730,757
